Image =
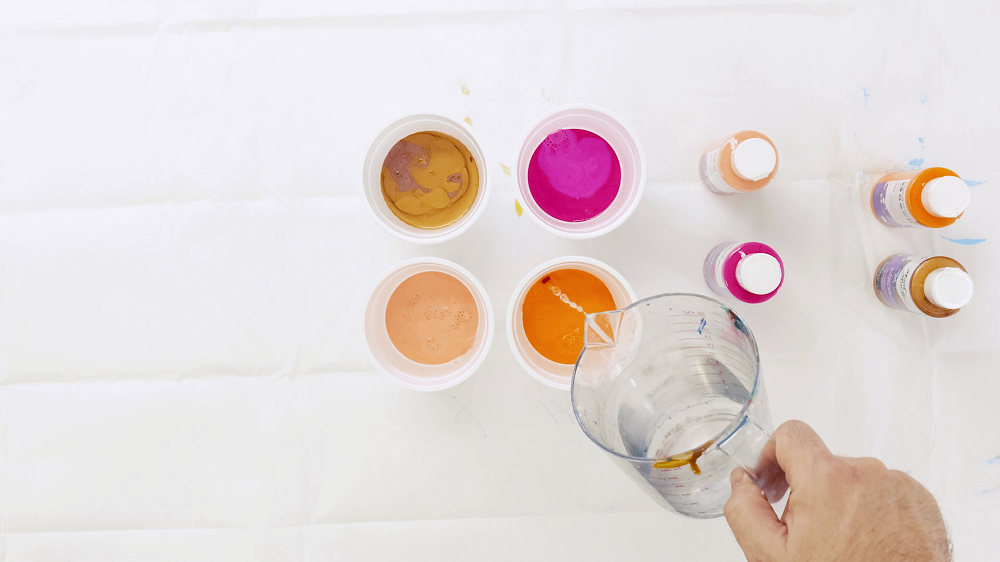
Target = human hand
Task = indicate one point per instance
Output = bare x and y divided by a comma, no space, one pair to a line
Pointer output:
839,509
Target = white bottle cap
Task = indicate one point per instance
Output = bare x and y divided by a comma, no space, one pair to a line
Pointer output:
759,274
754,159
945,197
948,287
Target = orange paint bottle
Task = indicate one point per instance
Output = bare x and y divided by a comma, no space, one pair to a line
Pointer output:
933,197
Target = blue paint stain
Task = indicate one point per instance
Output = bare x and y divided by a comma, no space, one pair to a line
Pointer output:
474,418
701,326
994,461
923,98
965,241
988,491
921,139
551,415
915,163
866,94
973,183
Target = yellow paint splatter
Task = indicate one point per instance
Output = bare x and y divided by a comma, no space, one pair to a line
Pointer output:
506,170
517,207
468,120
465,89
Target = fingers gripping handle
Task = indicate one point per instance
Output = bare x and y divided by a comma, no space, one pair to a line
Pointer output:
753,449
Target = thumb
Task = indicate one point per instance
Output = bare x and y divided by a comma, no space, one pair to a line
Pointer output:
754,523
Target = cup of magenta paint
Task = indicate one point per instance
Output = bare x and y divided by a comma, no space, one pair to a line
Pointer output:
428,324
580,171
536,357
441,220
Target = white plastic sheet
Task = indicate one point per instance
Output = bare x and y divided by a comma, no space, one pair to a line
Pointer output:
184,258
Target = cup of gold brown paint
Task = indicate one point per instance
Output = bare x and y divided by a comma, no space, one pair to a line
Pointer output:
425,179
428,324
546,312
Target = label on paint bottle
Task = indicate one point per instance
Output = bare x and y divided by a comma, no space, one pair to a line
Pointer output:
889,204
712,174
893,281
714,264
903,285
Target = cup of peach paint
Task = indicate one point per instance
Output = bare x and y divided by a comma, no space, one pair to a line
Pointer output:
547,309
428,324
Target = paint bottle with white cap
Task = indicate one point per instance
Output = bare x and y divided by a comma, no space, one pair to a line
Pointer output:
935,286
745,162
934,197
749,271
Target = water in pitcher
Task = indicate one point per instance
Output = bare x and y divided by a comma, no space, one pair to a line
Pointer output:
670,387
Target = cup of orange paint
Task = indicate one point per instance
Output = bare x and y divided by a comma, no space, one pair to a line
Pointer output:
546,312
428,324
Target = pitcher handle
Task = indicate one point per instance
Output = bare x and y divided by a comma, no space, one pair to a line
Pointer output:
753,449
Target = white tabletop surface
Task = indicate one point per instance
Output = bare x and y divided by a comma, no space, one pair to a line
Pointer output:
184,257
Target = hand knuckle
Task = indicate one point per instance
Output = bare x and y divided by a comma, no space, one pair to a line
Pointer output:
794,429
841,472
873,466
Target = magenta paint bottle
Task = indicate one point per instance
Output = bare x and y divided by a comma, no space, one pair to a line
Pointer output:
748,271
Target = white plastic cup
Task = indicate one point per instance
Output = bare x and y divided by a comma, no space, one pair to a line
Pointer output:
623,141
398,367
371,184
538,366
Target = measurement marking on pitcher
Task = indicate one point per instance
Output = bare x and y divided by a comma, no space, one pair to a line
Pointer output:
738,343
737,359
726,346
734,358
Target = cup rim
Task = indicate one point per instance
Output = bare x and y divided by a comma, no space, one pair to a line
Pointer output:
524,192
527,280
720,437
464,276
399,228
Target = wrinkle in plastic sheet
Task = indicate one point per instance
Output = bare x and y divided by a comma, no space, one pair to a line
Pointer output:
181,370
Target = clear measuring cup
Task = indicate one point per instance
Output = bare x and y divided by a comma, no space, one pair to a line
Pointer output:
670,388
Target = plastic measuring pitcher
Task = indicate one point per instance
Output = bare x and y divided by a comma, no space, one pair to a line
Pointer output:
670,388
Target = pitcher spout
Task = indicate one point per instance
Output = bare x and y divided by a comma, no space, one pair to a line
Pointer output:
601,329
